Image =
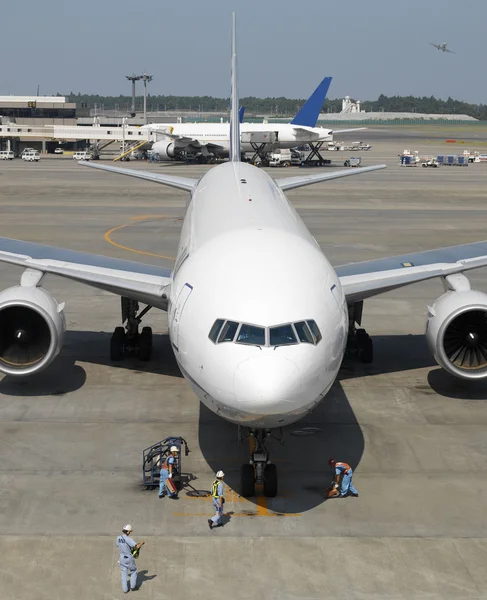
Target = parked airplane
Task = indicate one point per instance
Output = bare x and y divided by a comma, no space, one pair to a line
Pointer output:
258,318
213,139
442,47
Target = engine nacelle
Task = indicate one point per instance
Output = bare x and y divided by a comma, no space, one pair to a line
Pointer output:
456,332
164,149
32,327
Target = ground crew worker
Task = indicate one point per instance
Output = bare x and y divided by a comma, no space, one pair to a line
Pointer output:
344,471
218,500
127,562
168,469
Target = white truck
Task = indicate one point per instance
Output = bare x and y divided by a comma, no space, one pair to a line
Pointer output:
82,155
6,155
280,158
31,156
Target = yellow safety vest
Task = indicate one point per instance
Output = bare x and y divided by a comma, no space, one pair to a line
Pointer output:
214,489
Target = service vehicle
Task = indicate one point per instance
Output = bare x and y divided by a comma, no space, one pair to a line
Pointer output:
82,155
6,155
430,162
26,150
58,151
353,161
31,156
280,158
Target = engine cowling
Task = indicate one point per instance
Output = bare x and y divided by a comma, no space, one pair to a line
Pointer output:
32,327
456,332
164,149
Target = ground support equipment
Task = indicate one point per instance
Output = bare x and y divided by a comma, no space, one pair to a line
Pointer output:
154,456
314,158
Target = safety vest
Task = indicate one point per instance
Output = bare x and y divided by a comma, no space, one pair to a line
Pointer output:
165,464
214,489
344,465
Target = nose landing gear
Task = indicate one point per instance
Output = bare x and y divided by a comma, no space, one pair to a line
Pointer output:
128,341
259,470
359,343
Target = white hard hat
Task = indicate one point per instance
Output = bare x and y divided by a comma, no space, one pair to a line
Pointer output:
220,474
127,527
174,449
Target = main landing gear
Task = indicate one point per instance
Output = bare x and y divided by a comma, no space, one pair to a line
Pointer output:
259,470
359,343
128,341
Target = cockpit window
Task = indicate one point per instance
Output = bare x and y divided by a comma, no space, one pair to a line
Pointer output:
315,330
304,334
215,330
283,335
249,334
228,332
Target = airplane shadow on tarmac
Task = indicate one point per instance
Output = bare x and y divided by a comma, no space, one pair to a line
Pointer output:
302,460
64,375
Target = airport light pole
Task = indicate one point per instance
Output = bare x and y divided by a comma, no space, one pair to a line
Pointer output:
133,78
145,78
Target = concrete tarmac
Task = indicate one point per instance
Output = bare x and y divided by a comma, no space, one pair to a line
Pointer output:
71,438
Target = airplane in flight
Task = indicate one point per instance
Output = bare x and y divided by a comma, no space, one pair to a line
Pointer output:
258,318
213,139
441,47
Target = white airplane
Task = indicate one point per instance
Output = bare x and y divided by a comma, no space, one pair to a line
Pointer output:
441,47
209,139
259,319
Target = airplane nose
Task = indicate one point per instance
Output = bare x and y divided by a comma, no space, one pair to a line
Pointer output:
267,381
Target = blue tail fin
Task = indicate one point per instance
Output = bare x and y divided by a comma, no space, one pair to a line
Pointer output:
234,120
241,114
310,111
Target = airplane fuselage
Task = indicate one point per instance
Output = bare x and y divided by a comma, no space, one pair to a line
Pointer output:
218,134
246,257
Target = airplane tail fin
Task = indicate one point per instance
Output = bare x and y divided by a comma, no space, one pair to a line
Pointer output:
310,111
234,112
241,113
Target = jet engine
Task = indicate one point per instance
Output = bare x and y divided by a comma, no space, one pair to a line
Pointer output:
32,327
456,332
165,149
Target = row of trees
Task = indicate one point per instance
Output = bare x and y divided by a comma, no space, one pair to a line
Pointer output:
280,106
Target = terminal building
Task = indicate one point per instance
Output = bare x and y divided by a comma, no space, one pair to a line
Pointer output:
38,111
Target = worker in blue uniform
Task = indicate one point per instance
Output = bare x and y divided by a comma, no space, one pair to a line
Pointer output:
343,475
218,500
126,545
168,469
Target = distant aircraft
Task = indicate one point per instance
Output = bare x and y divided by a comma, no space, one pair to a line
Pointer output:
442,47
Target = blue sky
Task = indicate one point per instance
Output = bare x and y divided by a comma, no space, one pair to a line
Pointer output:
285,48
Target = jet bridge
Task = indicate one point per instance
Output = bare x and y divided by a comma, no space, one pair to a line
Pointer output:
127,134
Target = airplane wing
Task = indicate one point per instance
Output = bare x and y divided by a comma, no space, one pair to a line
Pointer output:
437,46
335,131
366,279
450,51
138,281
290,183
181,183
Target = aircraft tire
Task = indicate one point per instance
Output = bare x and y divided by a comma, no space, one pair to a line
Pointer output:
116,344
366,350
145,344
247,481
270,481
